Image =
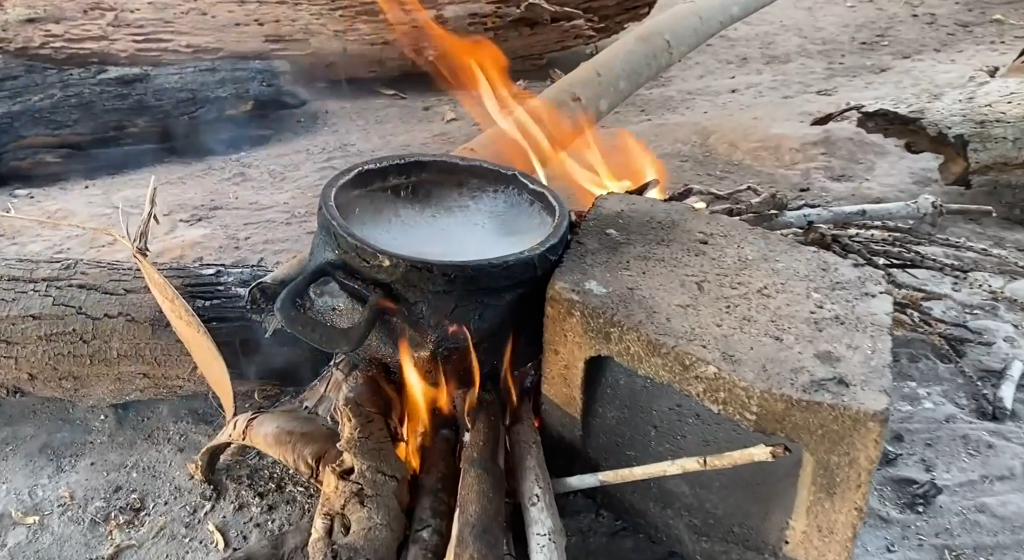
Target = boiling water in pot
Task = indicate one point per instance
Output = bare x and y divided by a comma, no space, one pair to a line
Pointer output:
450,224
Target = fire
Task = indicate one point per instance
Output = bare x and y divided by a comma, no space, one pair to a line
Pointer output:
423,400
563,151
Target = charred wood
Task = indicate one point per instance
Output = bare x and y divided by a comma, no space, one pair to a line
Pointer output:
57,123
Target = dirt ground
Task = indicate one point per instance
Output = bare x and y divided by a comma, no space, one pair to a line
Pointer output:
735,111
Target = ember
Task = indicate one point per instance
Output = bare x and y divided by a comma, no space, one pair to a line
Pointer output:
563,151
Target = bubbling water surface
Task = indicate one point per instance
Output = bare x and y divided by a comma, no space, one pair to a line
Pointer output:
449,224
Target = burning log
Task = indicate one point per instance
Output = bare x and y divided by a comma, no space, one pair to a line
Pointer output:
90,331
976,127
56,123
479,528
342,40
545,535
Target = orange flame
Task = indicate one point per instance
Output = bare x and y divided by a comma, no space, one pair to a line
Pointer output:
421,399
506,373
563,151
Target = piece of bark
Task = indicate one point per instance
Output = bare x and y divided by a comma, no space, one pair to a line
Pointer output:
977,127
545,535
91,332
57,123
288,545
349,39
479,532
436,491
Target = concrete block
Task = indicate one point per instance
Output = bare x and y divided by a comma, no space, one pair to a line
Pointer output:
670,333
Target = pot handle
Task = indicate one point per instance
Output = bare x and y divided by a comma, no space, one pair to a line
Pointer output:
335,340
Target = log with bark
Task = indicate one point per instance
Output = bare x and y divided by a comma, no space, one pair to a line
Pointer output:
91,332
57,122
977,127
342,39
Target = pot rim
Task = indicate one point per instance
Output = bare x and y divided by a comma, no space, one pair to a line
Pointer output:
504,174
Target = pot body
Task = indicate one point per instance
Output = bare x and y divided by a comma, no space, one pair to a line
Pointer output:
493,299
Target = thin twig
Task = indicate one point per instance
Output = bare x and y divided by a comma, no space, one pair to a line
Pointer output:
756,454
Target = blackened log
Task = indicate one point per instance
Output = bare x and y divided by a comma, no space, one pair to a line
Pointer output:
436,491
91,332
57,123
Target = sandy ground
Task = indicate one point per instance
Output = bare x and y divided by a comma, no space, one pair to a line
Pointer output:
731,113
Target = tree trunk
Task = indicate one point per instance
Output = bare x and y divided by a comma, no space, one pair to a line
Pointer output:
978,128
91,332
57,122
344,38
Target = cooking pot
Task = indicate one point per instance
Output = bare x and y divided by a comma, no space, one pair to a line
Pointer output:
433,241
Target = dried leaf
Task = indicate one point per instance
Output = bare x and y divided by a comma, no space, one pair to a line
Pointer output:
391,92
22,519
218,539
193,334
449,115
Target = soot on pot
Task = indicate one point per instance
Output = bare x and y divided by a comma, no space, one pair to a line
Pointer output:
448,224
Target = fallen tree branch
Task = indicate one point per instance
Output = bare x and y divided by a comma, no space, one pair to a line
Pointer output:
756,454
926,210
1002,404
545,535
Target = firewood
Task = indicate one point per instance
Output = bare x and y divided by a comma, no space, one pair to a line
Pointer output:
363,483
362,508
479,527
545,535
436,489
347,39
56,123
91,332
977,127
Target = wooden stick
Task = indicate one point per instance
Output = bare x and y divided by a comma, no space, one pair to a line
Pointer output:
926,209
603,83
598,86
545,535
479,527
1002,404
756,454
437,488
